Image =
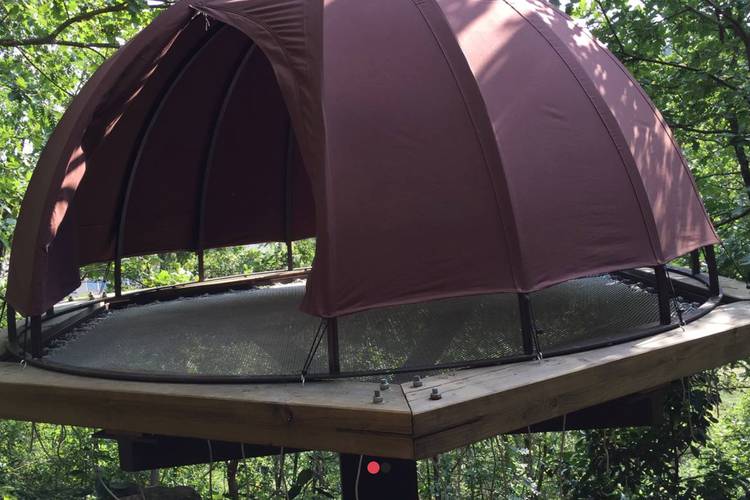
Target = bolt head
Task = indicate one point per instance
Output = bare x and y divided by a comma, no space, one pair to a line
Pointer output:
435,394
384,385
377,398
416,381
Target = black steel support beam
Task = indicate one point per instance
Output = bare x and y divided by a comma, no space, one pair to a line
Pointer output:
379,478
334,359
209,159
139,452
664,295
713,270
643,409
145,133
527,323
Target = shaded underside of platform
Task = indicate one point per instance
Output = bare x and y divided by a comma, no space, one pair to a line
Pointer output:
340,415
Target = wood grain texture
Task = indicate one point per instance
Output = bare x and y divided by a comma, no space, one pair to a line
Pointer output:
480,403
337,416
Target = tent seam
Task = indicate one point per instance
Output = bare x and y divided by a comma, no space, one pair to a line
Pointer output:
662,122
649,221
513,229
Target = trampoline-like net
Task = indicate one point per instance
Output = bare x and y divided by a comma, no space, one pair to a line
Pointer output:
261,332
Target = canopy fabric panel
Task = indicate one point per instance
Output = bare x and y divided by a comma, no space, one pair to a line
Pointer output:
434,148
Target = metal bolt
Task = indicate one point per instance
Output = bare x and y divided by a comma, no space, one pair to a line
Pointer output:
435,394
384,386
416,381
377,398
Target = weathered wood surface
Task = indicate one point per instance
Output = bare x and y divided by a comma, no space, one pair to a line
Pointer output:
336,416
480,403
340,416
734,289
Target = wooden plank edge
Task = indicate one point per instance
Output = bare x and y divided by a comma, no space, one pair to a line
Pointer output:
445,429
272,423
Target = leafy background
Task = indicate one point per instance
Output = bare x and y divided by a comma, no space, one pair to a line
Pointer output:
691,56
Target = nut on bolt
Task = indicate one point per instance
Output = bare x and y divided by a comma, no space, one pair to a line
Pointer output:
377,398
435,395
384,385
416,381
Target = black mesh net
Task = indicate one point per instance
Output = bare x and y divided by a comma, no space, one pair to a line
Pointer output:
262,333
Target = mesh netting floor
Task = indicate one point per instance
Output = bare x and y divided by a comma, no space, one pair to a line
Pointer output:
261,332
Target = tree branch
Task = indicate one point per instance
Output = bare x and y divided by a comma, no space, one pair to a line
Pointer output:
688,128
733,218
45,75
611,26
685,67
51,37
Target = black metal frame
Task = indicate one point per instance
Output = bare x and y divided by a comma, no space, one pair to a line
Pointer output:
150,121
289,156
210,154
710,294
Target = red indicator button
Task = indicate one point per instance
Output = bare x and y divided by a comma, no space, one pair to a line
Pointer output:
373,467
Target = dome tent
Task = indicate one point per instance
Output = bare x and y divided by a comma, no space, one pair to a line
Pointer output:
434,148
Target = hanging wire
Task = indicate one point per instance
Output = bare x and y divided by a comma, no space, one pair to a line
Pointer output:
562,450
244,466
281,477
745,277
356,481
210,468
104,485
319,333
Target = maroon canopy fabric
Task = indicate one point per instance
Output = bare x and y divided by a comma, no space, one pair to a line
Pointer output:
434,148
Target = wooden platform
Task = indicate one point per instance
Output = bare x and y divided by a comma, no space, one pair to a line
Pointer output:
340,416
732,289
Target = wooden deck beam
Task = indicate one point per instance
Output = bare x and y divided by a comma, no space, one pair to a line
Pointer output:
340,416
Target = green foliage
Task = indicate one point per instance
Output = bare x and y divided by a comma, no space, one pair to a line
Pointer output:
691,56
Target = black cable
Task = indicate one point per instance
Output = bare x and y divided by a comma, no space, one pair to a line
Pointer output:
675,302
535,333
322,328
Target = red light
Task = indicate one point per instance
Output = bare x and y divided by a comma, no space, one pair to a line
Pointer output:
373,467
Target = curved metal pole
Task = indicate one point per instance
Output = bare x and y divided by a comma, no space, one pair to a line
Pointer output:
200,247
288,195
152,118
527,323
